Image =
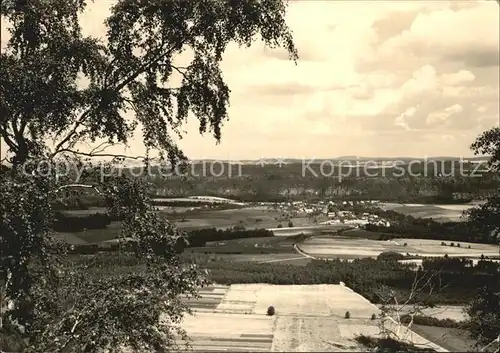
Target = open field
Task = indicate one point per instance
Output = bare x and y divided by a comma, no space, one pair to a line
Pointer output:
442,213
259,250
308,230
418,262
346,247
309,318
427,247
248,217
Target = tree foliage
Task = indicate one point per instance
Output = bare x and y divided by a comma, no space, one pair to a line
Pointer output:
61,85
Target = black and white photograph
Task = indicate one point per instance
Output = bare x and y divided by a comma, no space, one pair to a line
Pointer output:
249,176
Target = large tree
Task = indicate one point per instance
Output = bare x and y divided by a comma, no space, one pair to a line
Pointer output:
60,85
484,310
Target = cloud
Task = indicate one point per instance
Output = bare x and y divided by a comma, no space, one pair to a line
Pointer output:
373,78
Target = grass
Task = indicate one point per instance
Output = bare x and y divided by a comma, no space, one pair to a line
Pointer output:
368,277
365,234
436,212
248,217
389,345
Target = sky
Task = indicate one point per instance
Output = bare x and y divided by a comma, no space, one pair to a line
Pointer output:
374,78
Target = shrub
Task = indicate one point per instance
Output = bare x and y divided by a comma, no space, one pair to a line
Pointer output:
405,244
374,316
452,244
468,247
347,315
458,244
443,243
290,224
271,311
280,225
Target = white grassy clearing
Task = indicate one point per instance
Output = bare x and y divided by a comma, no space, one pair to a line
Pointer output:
436,211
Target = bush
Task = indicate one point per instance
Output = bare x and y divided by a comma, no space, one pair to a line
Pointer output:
452,244
271,311
280,225
84,249
347,315
443,243
390,255
405,244
368,277
458,244
290,224
374,316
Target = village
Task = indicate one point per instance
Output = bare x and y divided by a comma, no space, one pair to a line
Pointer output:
344,212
